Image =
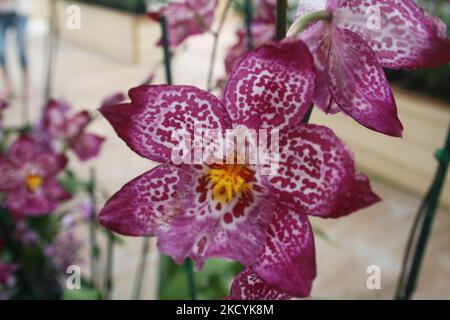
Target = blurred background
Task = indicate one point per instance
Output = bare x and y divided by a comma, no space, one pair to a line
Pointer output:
114,50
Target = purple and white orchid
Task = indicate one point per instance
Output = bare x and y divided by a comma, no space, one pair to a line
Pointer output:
352,41
233,210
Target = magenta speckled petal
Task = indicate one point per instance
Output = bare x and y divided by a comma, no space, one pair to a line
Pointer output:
288,261
87,146
147,202
156,112
9,177
359,86
187,18
272,87
317,174
23,202
249,286
209,228
408,37
317,38
176,205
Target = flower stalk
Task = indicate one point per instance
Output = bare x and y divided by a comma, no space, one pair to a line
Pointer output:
248,10
216,36
420,232
304,21
281,19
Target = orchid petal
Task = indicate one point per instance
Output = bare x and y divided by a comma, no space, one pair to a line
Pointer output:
249,286
272,87
165,200
289,251
359,86
407,37
317,175
147,124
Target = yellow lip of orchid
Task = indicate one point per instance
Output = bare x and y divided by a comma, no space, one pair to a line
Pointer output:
33,182
228,180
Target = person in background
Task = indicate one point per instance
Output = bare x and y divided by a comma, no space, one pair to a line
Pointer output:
13,15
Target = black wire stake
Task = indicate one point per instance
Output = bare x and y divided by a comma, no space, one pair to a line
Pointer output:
281,19
248,10
166,49
421,229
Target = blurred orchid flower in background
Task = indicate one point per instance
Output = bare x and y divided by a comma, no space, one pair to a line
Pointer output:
29,178
186,18
59,128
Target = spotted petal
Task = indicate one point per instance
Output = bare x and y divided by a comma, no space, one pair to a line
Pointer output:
359,86
317,175
249,286
146,202
176,205
272,87
288,261
318,39
407,36
147,124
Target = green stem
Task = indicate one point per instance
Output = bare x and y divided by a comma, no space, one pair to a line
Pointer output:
281,19
166,50
248,10
189,268
422,227
108,285
309,114
140,274
302,22
52,48
216,35
94,250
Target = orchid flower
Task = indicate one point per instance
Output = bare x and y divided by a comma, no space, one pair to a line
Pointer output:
186,18
61,128
29,178
352,41
7,279
234,210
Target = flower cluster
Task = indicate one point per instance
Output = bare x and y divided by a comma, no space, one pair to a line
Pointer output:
35,182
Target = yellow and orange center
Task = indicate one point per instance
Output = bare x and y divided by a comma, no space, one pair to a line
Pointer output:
229,180
33,182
